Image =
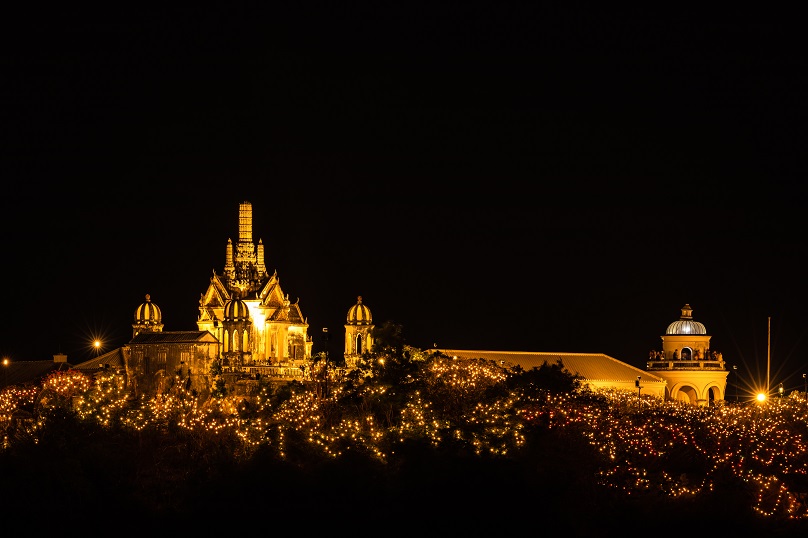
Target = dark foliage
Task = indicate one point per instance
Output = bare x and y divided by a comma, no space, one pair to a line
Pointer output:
162,479
551,377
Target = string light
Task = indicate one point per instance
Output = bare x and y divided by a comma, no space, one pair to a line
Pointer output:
471,402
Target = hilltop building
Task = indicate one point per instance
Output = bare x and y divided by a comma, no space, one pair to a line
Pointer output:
693,371
685,370
245,308
248,325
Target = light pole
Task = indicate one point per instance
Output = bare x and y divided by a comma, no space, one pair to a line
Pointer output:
5,371
735,371
804,386
780,390
325,336
639,388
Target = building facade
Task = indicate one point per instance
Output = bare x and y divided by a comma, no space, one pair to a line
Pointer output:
694,372
246,310
250,326
685,370
358,332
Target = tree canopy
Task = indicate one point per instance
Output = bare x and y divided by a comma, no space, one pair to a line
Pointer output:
398,438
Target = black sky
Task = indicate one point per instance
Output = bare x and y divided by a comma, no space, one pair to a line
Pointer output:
489,175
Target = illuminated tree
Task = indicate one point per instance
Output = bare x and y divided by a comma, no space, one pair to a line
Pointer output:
216,371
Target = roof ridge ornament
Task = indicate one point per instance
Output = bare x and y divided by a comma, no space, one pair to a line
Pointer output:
687,311
685,325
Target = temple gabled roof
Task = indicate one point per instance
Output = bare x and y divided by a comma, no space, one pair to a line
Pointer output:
216,294
114,359
29,372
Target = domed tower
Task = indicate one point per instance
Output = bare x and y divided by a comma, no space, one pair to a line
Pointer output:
236,333
358,326
695,373
148,318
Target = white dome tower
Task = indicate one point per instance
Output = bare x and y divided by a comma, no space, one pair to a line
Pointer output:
694,373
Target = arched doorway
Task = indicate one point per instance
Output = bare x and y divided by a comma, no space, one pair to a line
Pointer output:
687,394
713,395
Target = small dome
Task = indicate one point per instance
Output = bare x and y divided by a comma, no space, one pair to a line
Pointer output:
148,313
236,310
686,325
359,314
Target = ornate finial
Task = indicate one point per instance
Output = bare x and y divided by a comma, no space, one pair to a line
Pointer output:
148,297
359,298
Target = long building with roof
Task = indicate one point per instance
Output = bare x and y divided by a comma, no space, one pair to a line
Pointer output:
686,369
596,369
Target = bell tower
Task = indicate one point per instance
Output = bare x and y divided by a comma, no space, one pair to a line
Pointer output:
695,373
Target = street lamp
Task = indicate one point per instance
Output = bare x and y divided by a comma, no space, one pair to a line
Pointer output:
5,371
780,390
804,386
325,336
735,371
639,388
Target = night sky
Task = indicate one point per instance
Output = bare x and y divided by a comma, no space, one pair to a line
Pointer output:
488,175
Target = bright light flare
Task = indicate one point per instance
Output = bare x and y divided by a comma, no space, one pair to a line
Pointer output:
761,397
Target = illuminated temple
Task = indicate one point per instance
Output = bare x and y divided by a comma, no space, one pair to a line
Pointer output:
249,329
246,322
248,312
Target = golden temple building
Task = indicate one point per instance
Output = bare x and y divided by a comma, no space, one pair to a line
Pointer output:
246,309
248,326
